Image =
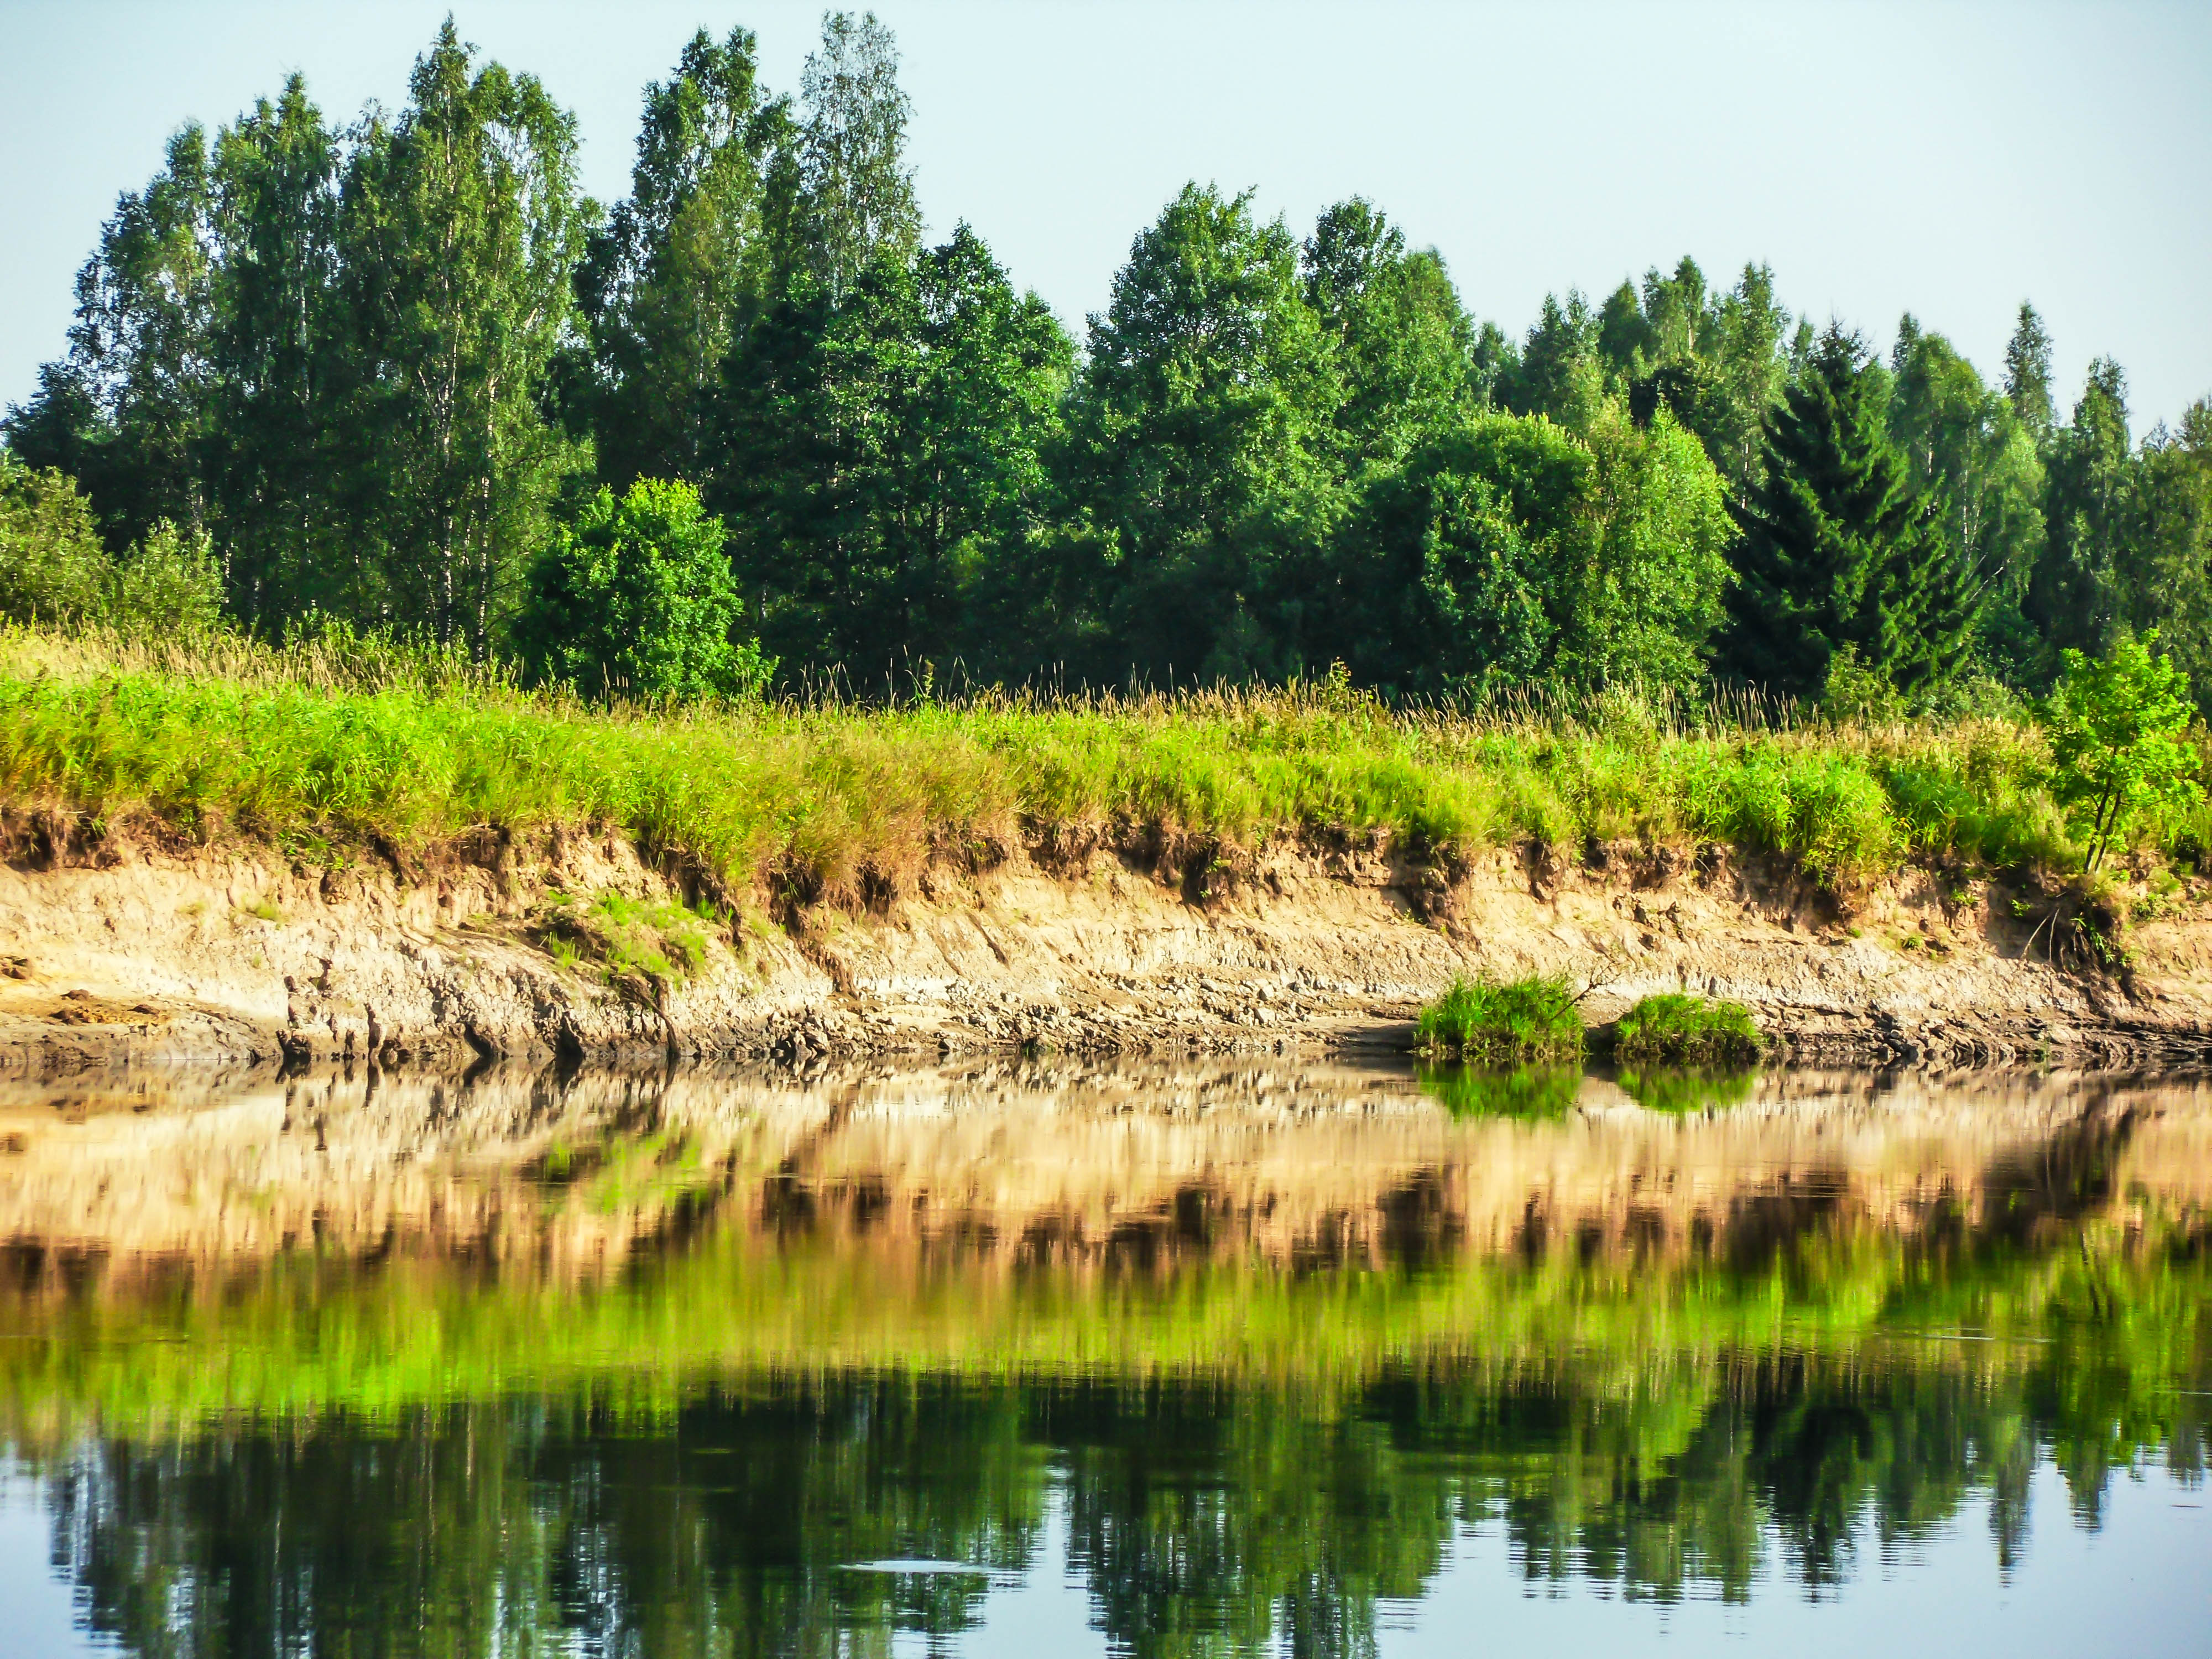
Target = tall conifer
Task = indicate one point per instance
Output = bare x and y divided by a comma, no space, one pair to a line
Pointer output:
1839,551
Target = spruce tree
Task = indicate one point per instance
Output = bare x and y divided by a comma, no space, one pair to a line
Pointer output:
1840,550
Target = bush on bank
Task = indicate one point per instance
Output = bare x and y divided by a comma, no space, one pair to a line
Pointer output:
1677,1028
1503,1022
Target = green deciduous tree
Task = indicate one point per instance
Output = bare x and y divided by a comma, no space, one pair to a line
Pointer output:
274,360
1203,427
1406,349
1965,444
127,411
882,451
1558,374
461,230
669,282
1512,552
1839,548
1715,360
2117,729
857,193
2167,583
2074,595
635,600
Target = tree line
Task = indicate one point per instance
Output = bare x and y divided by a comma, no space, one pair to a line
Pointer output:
750,422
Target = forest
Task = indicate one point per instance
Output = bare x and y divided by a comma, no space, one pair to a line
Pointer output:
749,428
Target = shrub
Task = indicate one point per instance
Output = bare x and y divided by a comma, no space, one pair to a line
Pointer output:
636,600
53,568
51,563
1494,1023
1674,1029
2116,739
171,581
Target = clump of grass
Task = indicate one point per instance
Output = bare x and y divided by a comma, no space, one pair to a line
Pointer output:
1677,1089
1508,1023
663,941
1677,1028
1526,1091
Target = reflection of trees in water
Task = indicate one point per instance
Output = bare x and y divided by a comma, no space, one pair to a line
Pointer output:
1648,1424
1203,1517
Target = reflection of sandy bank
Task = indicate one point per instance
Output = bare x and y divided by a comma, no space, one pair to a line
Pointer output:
1049,1161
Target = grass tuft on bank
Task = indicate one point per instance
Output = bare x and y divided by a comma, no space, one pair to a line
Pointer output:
324,746
1503,1022
1677,1029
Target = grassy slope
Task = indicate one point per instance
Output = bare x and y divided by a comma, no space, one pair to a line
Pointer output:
307,747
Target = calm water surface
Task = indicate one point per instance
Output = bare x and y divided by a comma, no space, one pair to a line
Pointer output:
1148,1359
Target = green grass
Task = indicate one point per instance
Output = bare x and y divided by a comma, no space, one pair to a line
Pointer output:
657,939
315,747
1676,1028
1510,1023
1678,1089
1523,1091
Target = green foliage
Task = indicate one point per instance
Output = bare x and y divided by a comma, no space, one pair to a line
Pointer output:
1966,445
1677,1028
1404,347
2116,739
636,600
1492,1023
1678,1089
883,455
51,562
856,192
1511,551
669,281
658,940
337,358
171,583
53,568
1839,548
375,364
458,241
1522,1092
1198,436
2076,596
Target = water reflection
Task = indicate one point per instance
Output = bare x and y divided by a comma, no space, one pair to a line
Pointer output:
717,1364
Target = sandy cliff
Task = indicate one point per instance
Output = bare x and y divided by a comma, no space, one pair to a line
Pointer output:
133,952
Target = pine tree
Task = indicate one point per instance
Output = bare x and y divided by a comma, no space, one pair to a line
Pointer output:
1839,551
2076,596
2028,374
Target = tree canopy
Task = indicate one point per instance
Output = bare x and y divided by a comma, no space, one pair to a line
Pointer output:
375,370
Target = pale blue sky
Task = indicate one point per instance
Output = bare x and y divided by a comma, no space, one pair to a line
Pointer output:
1948,159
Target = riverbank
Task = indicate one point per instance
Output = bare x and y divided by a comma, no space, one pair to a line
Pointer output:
215,849
567,944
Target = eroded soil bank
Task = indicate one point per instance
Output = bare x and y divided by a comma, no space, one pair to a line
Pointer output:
126,951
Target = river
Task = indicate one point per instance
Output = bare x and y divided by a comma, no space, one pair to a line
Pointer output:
1155,1357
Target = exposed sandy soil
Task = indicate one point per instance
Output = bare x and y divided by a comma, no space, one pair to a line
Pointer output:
128,952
